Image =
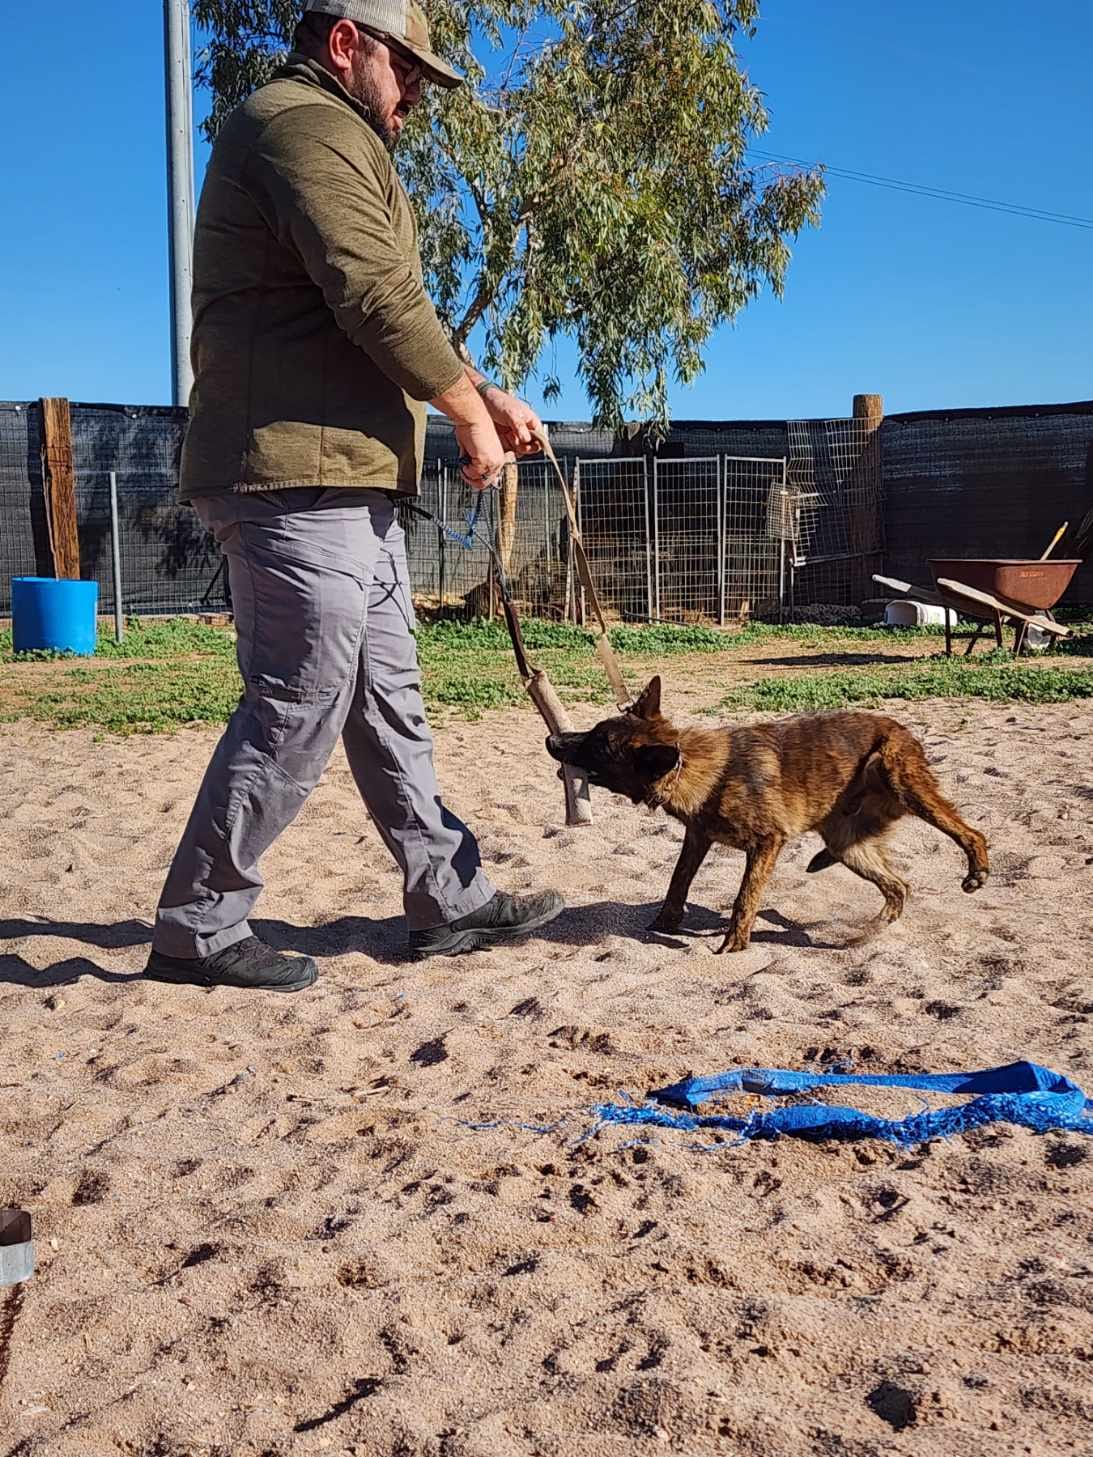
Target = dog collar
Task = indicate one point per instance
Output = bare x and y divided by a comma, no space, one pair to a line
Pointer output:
666,785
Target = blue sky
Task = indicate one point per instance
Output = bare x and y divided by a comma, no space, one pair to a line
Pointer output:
929,303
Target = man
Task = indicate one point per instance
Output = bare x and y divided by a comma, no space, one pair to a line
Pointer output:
315,348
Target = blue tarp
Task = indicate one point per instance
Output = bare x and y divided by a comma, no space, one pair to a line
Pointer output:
1021,1092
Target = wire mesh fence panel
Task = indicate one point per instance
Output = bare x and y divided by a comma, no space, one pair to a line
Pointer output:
687,539
955,483
426,556
537,555
24,534
987,483
756,518
169,563
528,528
445,576
614,516
834,473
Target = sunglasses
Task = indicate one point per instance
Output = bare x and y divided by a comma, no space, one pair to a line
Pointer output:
409,67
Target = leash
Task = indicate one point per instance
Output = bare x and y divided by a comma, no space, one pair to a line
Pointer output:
538,687
604,649
535,681
470,537
467,540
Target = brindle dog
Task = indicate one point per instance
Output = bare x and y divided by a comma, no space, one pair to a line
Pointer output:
849,776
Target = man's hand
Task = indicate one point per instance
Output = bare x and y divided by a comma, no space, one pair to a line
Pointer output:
516,422
484,452
475,432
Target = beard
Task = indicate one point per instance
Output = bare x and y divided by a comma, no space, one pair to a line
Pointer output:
362,88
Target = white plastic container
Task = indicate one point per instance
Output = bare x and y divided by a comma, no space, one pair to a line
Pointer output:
1037,640
917,614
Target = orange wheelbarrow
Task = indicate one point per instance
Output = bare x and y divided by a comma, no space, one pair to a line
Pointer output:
995,592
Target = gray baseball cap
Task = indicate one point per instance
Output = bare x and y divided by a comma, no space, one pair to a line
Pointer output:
404,21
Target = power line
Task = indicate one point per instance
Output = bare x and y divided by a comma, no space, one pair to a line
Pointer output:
941,194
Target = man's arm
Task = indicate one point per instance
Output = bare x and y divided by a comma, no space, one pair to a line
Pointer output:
475,431
321,188
516,421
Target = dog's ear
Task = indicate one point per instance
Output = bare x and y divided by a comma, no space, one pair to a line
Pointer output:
647,704
656,760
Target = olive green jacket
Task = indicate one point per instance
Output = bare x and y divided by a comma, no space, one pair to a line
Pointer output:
314,342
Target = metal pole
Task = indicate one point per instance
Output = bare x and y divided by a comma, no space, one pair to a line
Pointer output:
16,1267
548,585
180,188
652,562
115,544
570,589
496,546
722,467
442,540
795,507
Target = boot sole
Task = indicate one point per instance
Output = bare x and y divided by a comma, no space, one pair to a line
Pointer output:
461,943
308,977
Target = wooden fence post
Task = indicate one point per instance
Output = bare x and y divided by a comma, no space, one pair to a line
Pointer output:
59,485
866,524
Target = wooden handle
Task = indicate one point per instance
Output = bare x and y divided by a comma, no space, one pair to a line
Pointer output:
1055,540
578,800
986,599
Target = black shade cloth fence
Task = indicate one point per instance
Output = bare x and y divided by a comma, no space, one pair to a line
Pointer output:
985,482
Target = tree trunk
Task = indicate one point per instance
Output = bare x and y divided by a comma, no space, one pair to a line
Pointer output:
506,522
479,600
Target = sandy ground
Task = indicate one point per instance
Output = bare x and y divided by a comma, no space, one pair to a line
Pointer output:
265,1227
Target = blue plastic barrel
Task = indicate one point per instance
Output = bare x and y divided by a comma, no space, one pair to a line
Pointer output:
53,615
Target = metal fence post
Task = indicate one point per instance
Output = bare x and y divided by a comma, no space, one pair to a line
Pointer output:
722,487
180,181
571,592
783,527
442,540
115,551
16,1267
652,552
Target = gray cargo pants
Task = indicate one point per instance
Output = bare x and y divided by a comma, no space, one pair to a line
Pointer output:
324,622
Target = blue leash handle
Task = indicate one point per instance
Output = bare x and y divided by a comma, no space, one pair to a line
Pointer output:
467,540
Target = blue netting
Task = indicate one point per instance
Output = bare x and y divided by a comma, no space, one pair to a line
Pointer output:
1021,1092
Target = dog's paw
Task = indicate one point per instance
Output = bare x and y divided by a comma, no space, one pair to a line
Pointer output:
734,941
667,923
976,880
869,932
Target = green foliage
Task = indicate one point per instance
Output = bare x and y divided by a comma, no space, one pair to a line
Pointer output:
169,673
591,182
994,679
148,637
455,636
1080,642
139,697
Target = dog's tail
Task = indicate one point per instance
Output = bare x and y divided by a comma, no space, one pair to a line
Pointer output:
821,861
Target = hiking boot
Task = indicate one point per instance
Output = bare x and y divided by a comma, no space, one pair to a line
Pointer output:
505,918
248,964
